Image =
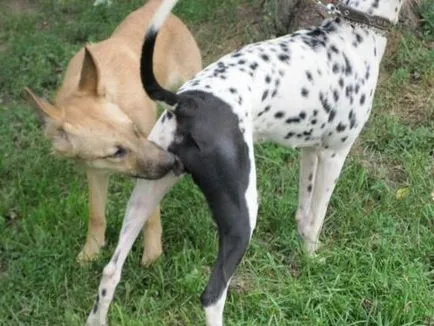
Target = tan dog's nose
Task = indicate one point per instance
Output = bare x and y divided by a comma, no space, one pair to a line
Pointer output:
157,162
168,159
172,162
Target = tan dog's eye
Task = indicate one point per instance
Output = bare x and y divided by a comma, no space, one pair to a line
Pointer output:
120,152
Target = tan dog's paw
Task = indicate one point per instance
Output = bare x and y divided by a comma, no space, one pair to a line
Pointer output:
151,254
89,252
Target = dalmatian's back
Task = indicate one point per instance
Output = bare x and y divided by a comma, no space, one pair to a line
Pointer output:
311,88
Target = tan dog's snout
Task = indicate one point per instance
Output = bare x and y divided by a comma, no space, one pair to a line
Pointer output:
156,163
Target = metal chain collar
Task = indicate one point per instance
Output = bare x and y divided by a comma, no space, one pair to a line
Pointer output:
380,24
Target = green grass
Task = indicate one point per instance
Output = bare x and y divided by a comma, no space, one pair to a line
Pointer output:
427,13
376,265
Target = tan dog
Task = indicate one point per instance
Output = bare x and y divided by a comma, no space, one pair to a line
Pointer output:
101,115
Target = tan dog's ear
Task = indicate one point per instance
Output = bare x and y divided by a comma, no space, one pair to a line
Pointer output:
90,74
44,108
51,119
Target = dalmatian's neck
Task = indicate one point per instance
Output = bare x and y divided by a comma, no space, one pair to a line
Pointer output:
383,8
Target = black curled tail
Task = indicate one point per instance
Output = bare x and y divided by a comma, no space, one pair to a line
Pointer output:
149,82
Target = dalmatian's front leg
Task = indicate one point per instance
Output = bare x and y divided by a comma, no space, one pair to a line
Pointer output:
308,165
145,197
330,162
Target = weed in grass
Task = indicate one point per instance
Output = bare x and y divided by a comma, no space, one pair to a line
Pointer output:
427,13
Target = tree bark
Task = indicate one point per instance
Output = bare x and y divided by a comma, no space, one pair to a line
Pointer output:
291,15
284,11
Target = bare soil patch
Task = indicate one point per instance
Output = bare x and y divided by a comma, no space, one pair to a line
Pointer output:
380,166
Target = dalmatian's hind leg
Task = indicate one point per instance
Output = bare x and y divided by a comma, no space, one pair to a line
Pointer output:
234,209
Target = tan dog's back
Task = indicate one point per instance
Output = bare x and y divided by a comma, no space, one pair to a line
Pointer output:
118,61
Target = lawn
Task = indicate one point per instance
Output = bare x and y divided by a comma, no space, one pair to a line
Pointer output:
376,266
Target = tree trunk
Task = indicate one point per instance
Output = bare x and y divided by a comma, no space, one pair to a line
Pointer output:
284,11
291,15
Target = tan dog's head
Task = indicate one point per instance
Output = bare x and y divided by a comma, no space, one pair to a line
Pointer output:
87,126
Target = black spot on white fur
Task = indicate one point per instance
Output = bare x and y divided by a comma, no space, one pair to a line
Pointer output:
332,115
356,88
266,109
335,68
334,49
348,68
289,135
325,104
279,114
341,127
265,57
336,95
95,307
283,57
293,120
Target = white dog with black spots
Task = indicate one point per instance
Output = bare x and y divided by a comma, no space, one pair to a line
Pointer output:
312,90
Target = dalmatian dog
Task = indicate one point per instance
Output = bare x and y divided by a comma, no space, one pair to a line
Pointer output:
312,90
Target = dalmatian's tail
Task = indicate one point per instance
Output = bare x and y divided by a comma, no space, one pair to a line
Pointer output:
149,82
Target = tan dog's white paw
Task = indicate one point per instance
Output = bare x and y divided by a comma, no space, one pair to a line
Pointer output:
89,252
151,254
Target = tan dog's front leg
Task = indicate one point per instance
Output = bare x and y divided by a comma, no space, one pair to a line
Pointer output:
152,231
98,185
